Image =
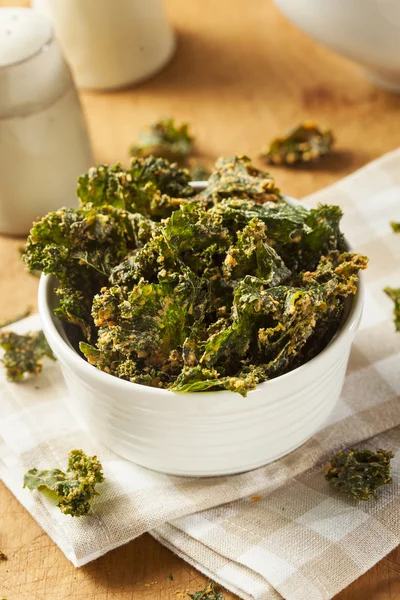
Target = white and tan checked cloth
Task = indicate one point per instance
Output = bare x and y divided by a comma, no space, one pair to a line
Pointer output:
301,539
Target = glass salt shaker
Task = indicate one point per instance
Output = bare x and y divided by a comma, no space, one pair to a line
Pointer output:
44,144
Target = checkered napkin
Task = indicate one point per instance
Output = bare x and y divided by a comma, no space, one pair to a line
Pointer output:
278,531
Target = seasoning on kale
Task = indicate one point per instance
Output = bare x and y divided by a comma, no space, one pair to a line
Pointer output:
75,489
394,294
236,177
358,473
305,143
146,325
209,593
165,139
24,353
233,287
151,186
15,318
81,246
209,303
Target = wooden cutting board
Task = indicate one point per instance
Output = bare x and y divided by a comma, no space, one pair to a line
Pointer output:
241,75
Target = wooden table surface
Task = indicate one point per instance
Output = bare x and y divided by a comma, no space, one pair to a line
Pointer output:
241,74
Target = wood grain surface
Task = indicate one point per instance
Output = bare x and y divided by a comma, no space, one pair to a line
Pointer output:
241,74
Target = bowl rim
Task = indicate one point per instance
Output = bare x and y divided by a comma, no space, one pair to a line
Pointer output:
60,346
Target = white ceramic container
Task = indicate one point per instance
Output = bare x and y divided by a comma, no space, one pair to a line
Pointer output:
111,43
366,31
206,433
44,145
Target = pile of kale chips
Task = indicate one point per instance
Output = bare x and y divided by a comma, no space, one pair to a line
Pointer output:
168,287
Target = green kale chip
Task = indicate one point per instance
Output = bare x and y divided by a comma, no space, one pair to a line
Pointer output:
24,353
236,177
358,473
222,290
251,253
242,317
199,379
151,186
165,139
81,247
304,144
144,326
394,294
276,327
73,489
209,593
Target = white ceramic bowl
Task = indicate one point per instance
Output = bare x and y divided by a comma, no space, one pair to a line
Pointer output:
205,433
366,31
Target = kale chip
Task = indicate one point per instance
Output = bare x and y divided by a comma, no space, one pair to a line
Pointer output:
151,186
220,290
394,294
304,144
74,489
164,139
236,177
24,353
81,247
358,473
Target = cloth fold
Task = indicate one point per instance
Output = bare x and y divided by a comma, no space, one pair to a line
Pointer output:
278,531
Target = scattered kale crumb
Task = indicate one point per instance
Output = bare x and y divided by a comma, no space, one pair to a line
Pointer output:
3,556
395,226
170,577
15,318
24,353
209,593
394,295
306,143
74,489
358,473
